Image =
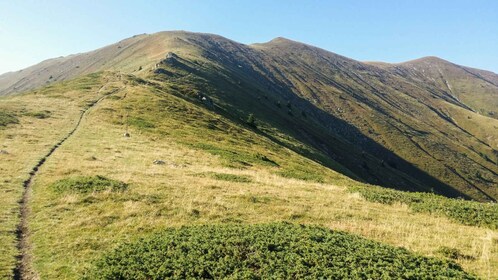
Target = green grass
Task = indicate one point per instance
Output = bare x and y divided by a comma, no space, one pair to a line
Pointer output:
87,184
140,123
302,173
466,212
234,157
7,118
266,251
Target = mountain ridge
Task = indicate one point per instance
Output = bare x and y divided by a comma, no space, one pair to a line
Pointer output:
391,125
180,129
8,89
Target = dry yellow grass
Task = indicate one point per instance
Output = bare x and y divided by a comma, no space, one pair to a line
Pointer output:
27,142
70,230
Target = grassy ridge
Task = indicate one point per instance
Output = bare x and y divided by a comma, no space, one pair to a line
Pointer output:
268,251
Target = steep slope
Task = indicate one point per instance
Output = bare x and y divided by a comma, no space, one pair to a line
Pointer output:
417,122
368,122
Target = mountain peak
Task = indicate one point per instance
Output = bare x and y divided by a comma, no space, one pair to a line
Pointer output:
427,59
281,41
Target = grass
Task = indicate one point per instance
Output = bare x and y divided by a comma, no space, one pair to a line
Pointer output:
268,251
71,231
284,157
87,184
466,212
27,142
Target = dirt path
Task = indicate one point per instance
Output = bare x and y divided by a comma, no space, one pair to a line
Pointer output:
23,269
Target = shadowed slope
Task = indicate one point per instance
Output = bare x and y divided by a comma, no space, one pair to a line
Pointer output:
384,125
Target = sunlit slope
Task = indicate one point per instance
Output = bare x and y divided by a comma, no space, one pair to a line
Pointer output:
185,163
38,120
369,122
476,88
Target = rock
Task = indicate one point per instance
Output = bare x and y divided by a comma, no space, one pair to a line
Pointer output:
4,152
159,162
171,55
126,134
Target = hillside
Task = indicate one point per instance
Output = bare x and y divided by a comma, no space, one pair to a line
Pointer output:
225,133
402,128
185,164
475,88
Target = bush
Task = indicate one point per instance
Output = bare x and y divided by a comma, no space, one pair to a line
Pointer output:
251,121
40,114
88,184
470,213
453,253
268,251
231,177
226,177
301,174
7,118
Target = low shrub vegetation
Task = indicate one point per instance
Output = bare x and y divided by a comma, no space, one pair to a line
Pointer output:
7,118
226,177
470,213
453,253
266,251
301,174
45,114
87,184
231,177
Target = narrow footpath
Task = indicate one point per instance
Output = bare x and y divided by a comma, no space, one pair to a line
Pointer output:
23,270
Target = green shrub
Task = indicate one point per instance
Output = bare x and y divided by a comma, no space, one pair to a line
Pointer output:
226,177
40,114
7,118
268,251
470,213
234,158
297,173
266,160
251,121
452,253
232,177
88,184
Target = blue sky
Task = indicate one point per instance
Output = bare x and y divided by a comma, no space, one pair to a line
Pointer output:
464,32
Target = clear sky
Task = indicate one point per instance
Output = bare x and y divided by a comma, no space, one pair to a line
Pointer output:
464,32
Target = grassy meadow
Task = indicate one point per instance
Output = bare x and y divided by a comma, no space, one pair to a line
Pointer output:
213,171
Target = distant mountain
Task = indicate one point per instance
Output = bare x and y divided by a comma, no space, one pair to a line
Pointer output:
423,125
476,88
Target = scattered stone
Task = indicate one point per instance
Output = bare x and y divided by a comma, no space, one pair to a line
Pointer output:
159,162
4,152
